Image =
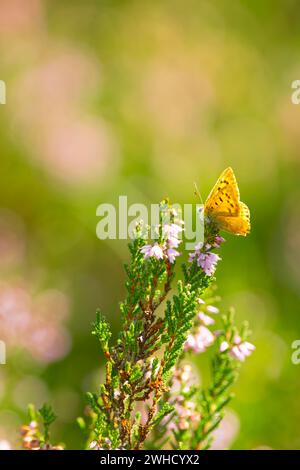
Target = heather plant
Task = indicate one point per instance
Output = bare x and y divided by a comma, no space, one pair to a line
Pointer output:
150,397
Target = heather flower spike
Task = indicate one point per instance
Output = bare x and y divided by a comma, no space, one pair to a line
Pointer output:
151,396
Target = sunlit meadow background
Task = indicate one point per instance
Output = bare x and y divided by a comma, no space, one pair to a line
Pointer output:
143,98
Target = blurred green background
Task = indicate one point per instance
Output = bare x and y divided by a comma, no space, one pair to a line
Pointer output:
143,98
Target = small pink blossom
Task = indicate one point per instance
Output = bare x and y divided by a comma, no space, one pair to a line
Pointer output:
206,259
172,254
240,349
198,342
190,343
218,241
155,251
173,242
172,230
224,346
212,309
205,319
208,262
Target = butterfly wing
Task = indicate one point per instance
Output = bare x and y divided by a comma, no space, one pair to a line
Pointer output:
224,207
224,198
239,225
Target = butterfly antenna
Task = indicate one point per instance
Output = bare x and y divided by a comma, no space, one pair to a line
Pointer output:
197,192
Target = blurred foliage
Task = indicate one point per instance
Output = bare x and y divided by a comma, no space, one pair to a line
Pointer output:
144,98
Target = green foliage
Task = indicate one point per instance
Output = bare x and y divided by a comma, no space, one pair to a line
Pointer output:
48,416
139,367
102,331
143,365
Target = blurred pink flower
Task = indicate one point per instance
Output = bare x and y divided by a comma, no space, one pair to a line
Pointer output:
177,94
205,319
5,445
30,324
12,239
239,349
200,340
67,141
17,18
226,432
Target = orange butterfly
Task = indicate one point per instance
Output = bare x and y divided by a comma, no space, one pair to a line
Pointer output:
224,208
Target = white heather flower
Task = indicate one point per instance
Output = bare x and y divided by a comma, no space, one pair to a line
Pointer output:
172,230
224,346
4,445
212,309
237,339
205,319
204,338
93,444
186,373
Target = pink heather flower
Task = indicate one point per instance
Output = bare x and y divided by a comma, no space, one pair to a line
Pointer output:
201,301
206,259
208,262
171,232
199,246
218,241
173,242
171,254
204,338
155,251
190,343
240,350
237,339
146,250
237,354
200,341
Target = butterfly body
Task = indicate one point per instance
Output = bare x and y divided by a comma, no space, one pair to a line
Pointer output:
224,208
